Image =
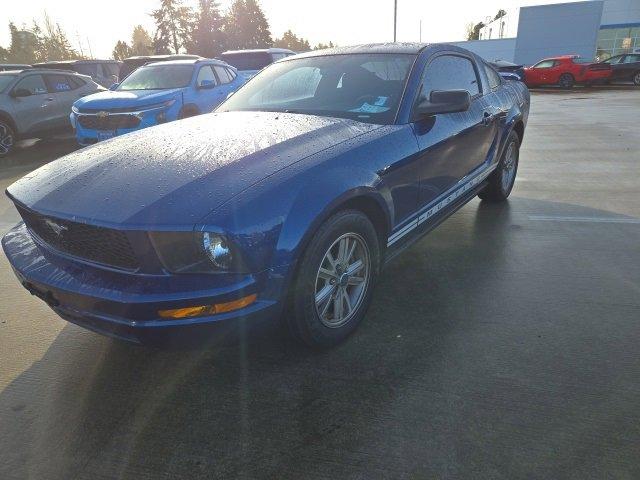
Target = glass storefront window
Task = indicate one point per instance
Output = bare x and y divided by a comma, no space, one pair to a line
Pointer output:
615,41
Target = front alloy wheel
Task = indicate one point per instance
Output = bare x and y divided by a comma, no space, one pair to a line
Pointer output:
342,280
335,280
7,138
636,79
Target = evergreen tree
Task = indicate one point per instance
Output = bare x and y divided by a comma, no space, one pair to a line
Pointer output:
322,46
141,42
208,38
121,51
174,26
4,55
247,25
291,41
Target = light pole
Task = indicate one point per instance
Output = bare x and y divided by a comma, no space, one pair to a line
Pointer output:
395,18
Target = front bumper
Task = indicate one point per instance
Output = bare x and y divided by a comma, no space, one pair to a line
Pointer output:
147,118
125,305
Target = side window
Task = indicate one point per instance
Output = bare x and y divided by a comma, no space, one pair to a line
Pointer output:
33,83
231,73
58,83
222,74
75,82
90,69
632,59
544,64
492,75
206,75
109,69
449,72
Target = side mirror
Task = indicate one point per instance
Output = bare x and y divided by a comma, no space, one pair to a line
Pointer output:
444,101
207,84
20,92
509,76
114,86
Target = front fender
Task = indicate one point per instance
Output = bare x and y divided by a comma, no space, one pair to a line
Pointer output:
272,221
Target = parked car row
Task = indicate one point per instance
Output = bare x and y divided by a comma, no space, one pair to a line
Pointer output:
569,70
38,100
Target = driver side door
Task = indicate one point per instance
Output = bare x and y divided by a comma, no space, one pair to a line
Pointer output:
452,145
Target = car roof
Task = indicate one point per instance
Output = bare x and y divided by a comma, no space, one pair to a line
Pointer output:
259,50
69,62
177,56
188,61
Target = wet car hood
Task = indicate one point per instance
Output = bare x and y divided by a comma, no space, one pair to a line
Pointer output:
175,174
126,99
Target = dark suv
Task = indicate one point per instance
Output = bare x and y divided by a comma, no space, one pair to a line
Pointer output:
103,72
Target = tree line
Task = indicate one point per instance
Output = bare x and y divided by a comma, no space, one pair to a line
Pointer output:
205,30
38,43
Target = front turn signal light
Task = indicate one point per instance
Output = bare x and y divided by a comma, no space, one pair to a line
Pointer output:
202,310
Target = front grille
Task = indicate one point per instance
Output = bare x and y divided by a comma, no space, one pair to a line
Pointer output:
109,122
89,242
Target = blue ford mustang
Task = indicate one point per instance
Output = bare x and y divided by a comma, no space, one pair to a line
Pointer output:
284,202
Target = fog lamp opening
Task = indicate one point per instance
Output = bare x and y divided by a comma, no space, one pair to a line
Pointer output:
198,311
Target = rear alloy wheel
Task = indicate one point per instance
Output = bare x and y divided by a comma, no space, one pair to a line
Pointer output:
501,181
636,79
7,139
335,280
566,80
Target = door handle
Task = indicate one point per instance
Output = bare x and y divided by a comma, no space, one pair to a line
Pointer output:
487,118
45,105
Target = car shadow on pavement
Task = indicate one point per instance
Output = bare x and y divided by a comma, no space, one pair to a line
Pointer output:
35,151
483,355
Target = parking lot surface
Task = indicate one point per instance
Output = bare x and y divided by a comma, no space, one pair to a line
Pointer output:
504,345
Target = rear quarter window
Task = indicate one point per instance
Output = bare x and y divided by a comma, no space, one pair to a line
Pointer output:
492,76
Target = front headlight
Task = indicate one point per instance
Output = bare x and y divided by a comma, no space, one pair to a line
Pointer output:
196,252
75,110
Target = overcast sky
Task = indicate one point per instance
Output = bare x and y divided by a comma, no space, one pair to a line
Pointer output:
345,22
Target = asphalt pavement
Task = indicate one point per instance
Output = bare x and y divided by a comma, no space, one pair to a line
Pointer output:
504,345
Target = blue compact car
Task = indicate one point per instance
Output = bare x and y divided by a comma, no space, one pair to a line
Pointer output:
154,94
283,203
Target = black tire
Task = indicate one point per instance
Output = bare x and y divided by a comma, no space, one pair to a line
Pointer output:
7,138
304,318
566,81
499,188
636,78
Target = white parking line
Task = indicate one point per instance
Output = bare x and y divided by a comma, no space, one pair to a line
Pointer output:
558,218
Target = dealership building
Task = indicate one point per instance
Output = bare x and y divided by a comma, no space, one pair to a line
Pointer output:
592,29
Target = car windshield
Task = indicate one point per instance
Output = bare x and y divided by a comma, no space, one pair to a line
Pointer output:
5,80
248,60
363,87
157,77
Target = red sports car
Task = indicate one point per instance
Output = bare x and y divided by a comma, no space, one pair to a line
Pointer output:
565,71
